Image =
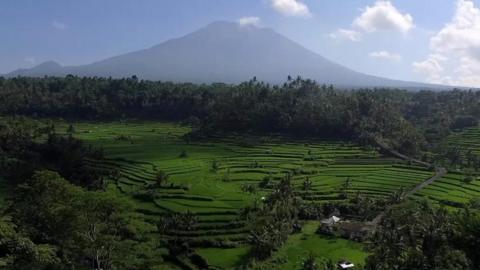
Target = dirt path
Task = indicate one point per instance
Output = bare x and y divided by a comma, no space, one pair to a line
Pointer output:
385,147
439,173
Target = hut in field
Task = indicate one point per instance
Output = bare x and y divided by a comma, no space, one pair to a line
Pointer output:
343,264
327,225
330,221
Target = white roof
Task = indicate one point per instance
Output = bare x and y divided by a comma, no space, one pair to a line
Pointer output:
346,265
331,220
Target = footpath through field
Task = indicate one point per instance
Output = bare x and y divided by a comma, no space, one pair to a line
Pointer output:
439,173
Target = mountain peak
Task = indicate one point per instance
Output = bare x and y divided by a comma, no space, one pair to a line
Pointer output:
221,24
49,64
222,51
229,24
225,26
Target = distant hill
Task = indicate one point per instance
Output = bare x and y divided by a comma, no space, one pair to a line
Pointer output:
222,52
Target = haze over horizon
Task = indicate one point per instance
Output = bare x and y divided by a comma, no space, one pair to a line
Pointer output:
425,41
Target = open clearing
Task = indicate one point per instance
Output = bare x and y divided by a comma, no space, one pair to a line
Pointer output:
300,245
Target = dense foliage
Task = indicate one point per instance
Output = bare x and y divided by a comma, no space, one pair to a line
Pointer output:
406,120
274,220
419,236
53,224
61,218
27,146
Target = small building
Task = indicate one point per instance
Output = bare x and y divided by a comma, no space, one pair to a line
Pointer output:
327,225
330,221
345,265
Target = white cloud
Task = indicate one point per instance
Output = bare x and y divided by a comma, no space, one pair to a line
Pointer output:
291,7
383,16
249,21
347,34
432,68
385,55
29,60
59,25
455,57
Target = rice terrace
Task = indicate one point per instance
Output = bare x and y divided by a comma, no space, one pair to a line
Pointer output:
211,181
240,135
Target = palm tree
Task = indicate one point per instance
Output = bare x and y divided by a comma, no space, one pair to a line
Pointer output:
310,263
329,265
215,166
307,184
161,178
345,187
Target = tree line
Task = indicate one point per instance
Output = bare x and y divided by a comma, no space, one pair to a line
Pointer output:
406,120
60,219
58,215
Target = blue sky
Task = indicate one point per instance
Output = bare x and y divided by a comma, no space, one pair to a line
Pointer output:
422,40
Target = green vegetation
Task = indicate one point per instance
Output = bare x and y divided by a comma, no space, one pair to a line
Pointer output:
235,176
156,147
461,187
225,258
3,193
452,190
468,139
410,122
323,248
216,200
419,236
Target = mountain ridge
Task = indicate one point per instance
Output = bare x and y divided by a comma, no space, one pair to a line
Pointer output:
223,52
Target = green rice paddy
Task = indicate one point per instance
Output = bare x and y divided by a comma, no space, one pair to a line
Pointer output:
469,139
206,178
452,190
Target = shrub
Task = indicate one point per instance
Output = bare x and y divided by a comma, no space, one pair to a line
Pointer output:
161,178
198,260
183,154
215,166
122,137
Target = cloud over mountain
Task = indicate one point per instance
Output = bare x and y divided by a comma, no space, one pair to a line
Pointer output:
455,49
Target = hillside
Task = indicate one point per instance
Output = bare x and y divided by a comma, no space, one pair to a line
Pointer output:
222,52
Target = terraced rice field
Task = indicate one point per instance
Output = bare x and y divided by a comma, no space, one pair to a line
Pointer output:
468,139
208,180
451,190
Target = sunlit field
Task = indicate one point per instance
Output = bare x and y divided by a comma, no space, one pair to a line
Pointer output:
208,179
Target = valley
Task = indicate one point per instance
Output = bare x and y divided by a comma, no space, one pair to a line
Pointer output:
211,179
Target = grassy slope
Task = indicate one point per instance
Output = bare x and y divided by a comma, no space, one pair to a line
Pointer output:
452,187
467,139
156,146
